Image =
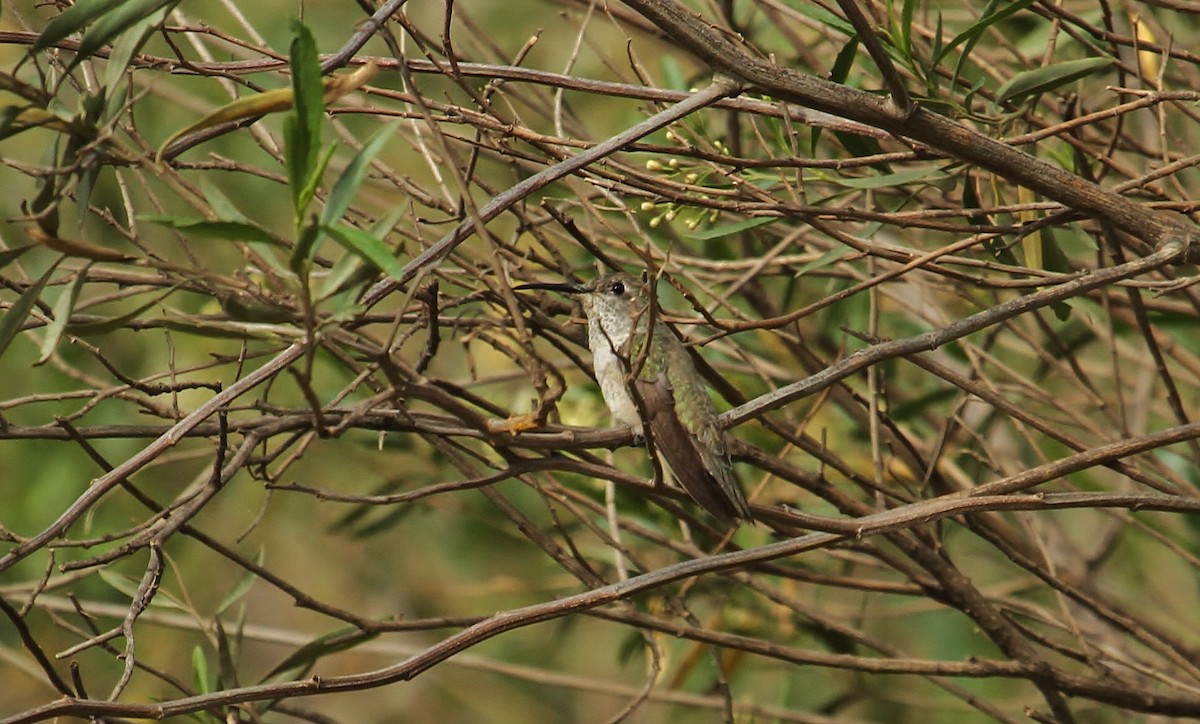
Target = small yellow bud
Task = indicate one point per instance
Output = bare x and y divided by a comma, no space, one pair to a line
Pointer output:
653,165
648,206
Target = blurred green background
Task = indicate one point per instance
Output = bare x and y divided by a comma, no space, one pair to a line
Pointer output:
721,203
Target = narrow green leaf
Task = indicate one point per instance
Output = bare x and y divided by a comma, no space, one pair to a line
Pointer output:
861,146
1049,77
906,16
971,200
899,178
351,270
844,61
726,229
243,585
303,658
673,76
971,38
822,16
200,675
232,230
221,205
972,34
1053,258
8,114
368,247
346,187
314,179
302,129
8,256
129,587
837,253
62,314
112,24
305,249
935,51
72,20
122,55
12,320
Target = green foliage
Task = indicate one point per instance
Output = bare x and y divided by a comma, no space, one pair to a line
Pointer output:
15,316
302,128
388,475
1048,78
108,19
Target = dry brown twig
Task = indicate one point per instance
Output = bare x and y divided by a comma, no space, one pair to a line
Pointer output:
1025,488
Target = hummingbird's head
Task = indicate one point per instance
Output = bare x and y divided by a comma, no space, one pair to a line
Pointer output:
612,301
617,293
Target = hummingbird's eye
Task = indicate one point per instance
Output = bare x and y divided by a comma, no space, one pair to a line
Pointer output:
618,288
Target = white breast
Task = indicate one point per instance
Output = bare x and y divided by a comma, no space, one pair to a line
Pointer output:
610,373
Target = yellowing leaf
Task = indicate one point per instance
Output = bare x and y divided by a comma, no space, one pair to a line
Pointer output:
273,101
1148,61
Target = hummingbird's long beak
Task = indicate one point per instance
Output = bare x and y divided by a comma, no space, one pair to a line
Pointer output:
563,287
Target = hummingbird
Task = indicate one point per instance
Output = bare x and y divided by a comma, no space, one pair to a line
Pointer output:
681,416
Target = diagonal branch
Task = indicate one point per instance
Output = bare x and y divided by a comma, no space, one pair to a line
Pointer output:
936,131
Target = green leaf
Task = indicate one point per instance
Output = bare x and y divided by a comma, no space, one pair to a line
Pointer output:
200,671
971,35
232,230
8,114
301,660
62,314
368,247
302,129
129,587
899,178
128,14
971,200
243,585
1053,258
672,72
305,249
122,55
351,270
726,229
12,320
837,253
1049,77
935,51
346,187
906,16
844,61
860,146
922,404
221,205
72,20
8,256
823,16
